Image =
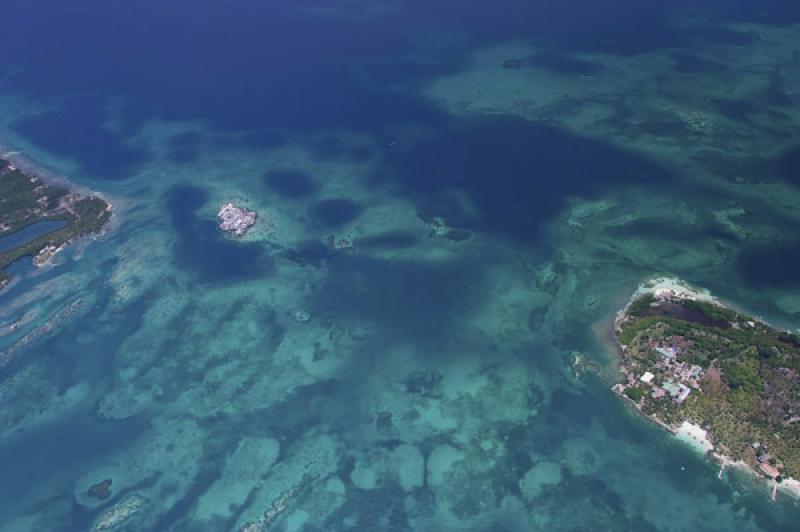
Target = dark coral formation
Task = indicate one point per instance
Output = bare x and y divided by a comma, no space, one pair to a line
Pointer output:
513,64
101,490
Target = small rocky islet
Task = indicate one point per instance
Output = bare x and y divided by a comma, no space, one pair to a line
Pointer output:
236,220
687,360
26,200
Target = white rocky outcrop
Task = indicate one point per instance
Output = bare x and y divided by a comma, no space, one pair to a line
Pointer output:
236,220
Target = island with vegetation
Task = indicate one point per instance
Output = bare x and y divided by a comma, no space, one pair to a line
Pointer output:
26,200
730,380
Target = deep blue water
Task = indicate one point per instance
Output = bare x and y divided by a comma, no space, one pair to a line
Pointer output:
200,246
257,66
265,75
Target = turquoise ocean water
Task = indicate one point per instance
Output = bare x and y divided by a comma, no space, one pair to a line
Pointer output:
497,178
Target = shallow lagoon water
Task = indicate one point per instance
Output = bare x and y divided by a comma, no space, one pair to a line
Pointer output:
414,381
27,234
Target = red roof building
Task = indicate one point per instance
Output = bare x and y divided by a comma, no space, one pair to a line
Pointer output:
768,470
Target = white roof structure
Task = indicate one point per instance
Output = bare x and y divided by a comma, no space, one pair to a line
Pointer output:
685,391
646,377
668,352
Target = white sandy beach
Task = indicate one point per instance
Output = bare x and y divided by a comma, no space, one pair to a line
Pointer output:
695,436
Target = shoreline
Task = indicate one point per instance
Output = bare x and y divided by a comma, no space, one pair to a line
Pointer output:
43,173
657,284
689,432
41,195
789,485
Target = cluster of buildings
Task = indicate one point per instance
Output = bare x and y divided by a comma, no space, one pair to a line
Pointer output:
669,377
668,294
766,461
